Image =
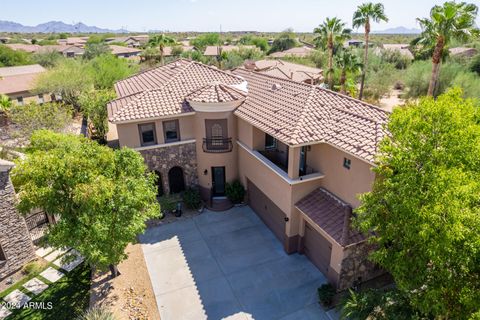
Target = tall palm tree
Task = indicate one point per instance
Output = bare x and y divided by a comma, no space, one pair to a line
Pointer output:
161,41
348,63
331,33
450,21
366,14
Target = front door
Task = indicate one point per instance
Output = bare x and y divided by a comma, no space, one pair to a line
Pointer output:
218,181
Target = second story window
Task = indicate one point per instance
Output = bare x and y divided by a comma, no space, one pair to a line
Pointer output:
20,101
171,131
147,134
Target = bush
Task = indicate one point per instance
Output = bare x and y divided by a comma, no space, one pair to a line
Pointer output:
235,191
97,314
33,268
325,294
191,198
475,64
167,203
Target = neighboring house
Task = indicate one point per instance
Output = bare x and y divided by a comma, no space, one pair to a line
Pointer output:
286,70
403,49
300,52
353,43
65,50
16,246
124,52
303,153
213,51
167,51
31,48
4,39
463,52
18,84
73,41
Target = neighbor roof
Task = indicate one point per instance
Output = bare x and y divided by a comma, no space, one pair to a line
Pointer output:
123,50
19,79
296,52
24,47
463,51
18,70
161,91
288,70
331,214
167,51
298,113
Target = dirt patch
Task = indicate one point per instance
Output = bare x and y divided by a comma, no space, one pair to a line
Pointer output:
392,100
130,295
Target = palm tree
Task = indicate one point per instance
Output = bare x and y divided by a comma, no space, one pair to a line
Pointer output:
348,63
366,14
161,41
450,21
331,33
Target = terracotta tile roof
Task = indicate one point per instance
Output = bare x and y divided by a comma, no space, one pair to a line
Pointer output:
24,47
18,70
288,70
296,52
167,51
463,51
122,50
298,113
216,92
19,79
331,214
165,95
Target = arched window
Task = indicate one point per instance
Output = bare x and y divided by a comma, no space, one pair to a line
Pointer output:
217,134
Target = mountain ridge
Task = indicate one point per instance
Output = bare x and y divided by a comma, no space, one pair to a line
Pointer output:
54,27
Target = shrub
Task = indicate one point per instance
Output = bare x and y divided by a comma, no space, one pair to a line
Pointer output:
235,191
325,294
33,268
475,64
97,314
191,198
167,203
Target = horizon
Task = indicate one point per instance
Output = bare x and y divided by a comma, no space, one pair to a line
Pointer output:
209,15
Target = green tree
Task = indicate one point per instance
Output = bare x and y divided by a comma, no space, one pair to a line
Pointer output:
94,107
10,57
68,79
259,42
363,17
349,65
450,21
329,34
207,39
47,59
102,196
423,212
106,69
161,41
95,49
285,40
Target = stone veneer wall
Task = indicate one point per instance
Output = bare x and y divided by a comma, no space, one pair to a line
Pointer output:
356,265
164,158
14,235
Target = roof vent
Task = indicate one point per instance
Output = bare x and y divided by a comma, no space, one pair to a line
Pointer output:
177,64
276,87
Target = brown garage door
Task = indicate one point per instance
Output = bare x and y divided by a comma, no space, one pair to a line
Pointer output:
271,215
317,248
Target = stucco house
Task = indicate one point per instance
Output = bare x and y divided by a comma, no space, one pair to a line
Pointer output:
303,153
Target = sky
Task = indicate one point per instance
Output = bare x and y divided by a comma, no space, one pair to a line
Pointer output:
208,15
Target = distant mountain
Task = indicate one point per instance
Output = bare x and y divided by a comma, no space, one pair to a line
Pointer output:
54,27
399,30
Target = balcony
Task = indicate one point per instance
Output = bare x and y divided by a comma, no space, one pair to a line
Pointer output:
217,145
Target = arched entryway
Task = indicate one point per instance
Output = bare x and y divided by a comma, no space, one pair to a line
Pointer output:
176,180
159,184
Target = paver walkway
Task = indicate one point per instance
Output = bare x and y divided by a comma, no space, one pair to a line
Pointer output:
35,286
55,254
228,265
52,275
4,312
69,261
17,298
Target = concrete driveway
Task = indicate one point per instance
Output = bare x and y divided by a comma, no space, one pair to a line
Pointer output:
228,265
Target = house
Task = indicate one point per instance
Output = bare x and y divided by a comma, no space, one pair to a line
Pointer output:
65,50
403,49
300,52
302,152
18,83
213,51
4,39
287,70
73,41
30,48
463,52
16,246
124,52
354,43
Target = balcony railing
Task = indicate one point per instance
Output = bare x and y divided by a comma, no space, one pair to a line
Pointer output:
217,145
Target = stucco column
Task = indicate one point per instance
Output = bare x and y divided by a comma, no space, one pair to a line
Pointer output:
293,162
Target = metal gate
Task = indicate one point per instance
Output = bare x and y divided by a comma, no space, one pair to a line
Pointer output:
37,224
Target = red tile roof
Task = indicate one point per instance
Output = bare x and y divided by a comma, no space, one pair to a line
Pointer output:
298,113
116,50
216,92
331,214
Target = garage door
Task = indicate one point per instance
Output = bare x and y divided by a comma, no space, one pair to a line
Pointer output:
271,215
317,248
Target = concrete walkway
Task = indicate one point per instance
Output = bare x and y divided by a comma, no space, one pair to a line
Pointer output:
228,265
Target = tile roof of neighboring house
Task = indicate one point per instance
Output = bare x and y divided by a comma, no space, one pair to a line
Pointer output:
216,92
24,47
19,79
162,91
463,51
288,70
213,50
298,113
296,52
116,50
331,214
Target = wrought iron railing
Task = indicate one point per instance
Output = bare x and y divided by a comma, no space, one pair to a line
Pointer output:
217,145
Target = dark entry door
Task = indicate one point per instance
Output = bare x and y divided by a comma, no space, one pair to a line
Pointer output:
175,180
218,181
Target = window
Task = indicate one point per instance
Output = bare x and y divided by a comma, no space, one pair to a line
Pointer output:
347,163
270,142
3,257
147,134
20,101
40,99
170,131
217,134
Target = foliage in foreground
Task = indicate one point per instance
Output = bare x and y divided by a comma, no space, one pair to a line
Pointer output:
191,198
102,196
235,191
97,314
424,205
